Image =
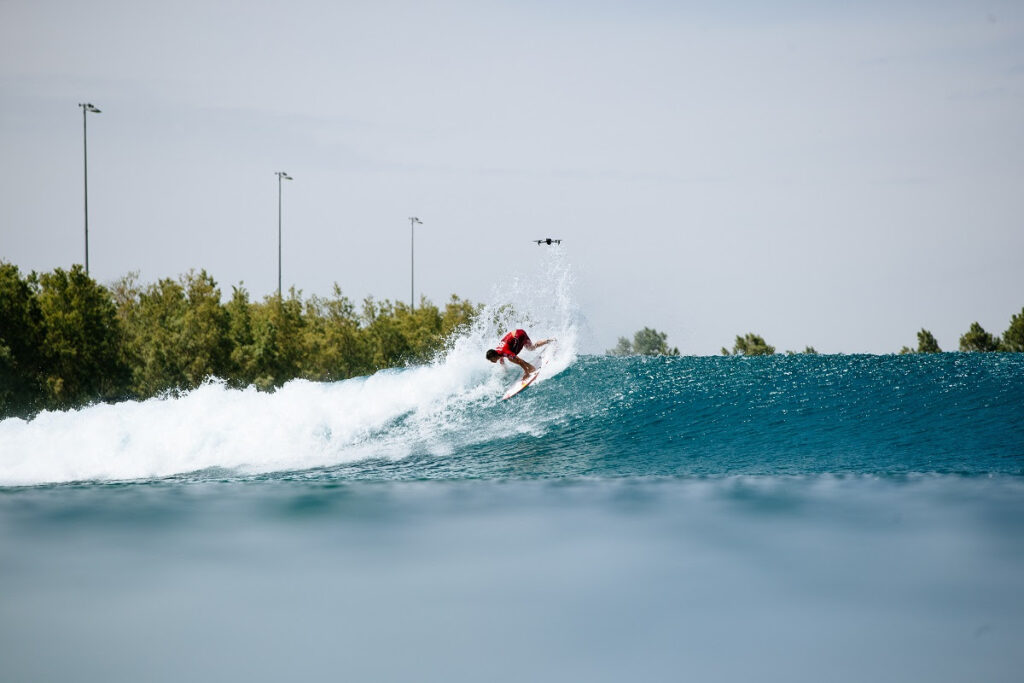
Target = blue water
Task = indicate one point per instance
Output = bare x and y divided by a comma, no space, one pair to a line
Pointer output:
790,518
799,415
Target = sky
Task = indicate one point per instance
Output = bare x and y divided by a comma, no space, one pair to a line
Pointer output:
838,175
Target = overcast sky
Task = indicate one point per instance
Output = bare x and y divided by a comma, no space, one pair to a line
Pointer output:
828,174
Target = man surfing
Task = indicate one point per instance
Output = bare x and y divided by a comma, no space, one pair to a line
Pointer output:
510,346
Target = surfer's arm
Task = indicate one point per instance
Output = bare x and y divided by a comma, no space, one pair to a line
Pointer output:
527,368
533,345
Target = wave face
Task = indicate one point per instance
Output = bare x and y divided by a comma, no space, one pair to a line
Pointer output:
589,416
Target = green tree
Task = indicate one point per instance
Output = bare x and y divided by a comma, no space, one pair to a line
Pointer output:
623,348
387,343
242,364
154,339
177,333
926,343
459,314
1013,338
82,339
651,342
750,344
205,343
421,329
277,333
977,339
126,293
21,391
337,347
646,342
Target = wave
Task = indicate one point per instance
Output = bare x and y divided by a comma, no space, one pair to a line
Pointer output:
303,425
587,416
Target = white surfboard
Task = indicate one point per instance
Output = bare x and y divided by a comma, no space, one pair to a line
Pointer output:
545,358
520,385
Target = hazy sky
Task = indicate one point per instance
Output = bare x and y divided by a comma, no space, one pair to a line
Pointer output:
828,174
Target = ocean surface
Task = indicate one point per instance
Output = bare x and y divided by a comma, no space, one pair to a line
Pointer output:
786,518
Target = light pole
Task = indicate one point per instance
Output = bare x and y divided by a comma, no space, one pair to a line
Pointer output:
86,109
412,262
281,175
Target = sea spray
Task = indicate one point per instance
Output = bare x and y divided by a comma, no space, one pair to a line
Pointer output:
541,302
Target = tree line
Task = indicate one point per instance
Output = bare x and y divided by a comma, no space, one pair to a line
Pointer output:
650,342
977,339
66,341
646,342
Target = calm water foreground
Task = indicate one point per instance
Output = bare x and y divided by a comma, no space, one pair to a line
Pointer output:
783,519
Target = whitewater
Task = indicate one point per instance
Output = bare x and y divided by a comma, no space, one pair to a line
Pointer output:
786,518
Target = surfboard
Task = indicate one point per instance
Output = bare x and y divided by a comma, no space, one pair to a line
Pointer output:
520,385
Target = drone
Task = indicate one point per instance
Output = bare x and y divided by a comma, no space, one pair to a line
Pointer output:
548,241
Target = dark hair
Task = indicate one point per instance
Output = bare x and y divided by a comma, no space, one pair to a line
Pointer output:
493,355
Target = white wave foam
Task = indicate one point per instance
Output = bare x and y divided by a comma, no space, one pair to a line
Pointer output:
304,424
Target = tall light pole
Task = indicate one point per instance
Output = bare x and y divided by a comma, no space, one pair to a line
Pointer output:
412,262
281,175
87,108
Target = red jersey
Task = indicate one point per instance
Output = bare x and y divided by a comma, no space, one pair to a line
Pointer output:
512,343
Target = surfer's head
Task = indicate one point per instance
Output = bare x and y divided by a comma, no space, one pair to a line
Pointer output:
493,355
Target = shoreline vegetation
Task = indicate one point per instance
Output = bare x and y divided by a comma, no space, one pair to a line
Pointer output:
651,342
67,341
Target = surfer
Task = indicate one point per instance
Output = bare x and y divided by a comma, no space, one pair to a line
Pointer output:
510,346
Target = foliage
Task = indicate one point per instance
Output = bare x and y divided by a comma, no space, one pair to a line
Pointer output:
926,343
175,332
977,339
750,344
335,347
241,369
646,342
278,329
66,341
650,342
1013,338
81,340
20,343
623,348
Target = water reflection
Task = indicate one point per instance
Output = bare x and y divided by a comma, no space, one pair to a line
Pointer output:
796,579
